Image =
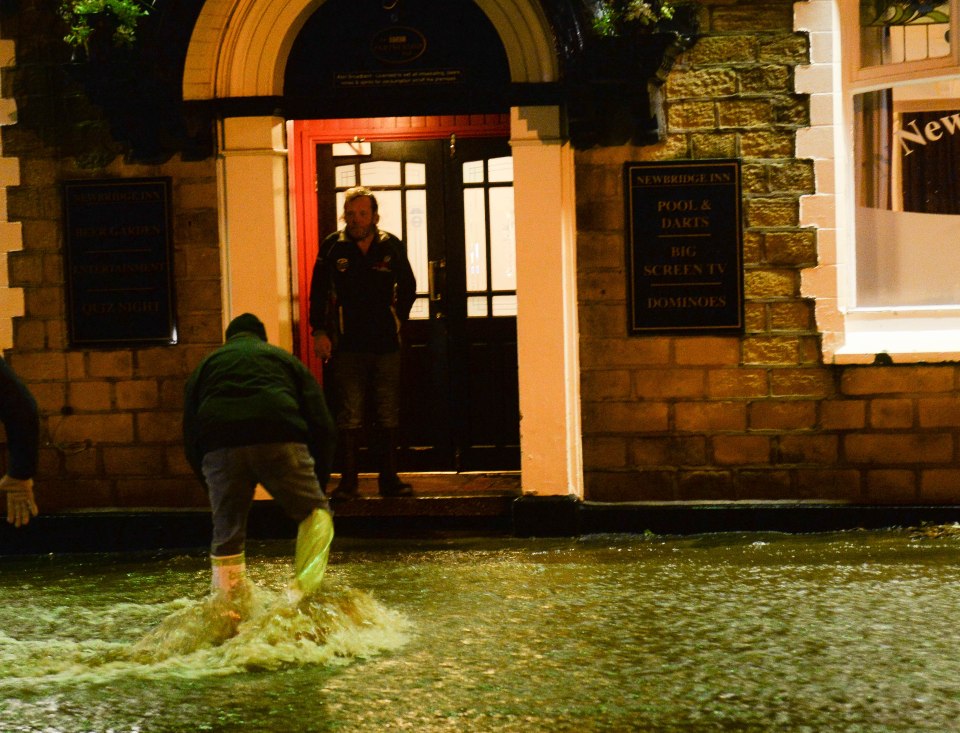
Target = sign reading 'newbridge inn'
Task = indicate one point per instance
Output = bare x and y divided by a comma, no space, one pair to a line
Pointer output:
684,248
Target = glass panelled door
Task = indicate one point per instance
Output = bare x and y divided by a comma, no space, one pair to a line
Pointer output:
483,289
451,202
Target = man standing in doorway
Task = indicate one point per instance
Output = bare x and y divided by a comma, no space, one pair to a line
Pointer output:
361,292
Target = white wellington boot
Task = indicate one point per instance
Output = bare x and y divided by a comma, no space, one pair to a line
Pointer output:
229,574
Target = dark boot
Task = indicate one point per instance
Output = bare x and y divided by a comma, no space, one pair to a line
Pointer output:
349,485
389,482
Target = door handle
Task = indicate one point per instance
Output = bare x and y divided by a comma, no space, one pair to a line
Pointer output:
436,275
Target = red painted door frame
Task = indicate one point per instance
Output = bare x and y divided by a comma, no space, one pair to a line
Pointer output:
306,135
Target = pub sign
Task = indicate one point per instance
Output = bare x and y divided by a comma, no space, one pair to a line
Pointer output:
684,247
119,268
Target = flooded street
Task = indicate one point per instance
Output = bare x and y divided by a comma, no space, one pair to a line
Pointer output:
850,631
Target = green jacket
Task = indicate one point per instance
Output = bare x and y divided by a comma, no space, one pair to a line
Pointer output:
249,392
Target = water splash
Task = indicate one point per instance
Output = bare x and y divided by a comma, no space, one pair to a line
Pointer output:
263,630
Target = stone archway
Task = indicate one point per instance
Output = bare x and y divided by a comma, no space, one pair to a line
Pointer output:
239,50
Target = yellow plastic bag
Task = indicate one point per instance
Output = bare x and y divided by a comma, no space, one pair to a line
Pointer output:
314,536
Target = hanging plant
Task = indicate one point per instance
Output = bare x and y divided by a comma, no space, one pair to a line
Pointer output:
615,17
117,19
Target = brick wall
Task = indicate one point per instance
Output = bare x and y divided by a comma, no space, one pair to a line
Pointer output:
664,417
111,417
758,416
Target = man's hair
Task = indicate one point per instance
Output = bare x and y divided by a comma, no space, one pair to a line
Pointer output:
246,323
356,192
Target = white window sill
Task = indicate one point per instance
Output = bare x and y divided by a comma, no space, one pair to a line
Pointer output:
925,334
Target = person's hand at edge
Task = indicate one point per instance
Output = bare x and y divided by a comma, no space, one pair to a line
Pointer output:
322,346
21,505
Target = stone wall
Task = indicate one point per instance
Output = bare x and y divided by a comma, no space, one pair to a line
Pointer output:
760,416
757,416
111,417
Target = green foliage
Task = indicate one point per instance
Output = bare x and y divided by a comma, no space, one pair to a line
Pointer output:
118,17
612,17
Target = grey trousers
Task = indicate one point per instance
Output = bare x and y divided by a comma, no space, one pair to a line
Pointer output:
285,470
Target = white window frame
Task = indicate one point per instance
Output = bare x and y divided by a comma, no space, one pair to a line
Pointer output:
865,78
851,334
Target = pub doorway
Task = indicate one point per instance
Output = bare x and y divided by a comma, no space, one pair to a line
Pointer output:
280,62
447,192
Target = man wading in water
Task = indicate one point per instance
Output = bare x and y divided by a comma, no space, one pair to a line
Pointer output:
253,414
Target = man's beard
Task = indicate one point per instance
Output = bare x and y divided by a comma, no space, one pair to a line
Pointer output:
359,233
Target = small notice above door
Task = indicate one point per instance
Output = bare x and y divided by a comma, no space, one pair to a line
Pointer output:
684,247
398,78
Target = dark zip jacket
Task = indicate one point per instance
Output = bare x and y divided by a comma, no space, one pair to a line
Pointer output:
249,392
360,300
21,421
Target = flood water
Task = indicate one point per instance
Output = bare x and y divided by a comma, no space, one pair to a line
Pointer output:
853,631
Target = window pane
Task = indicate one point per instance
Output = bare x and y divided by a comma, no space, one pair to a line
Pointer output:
420,310
939,39
504,305
874,127
416,174
391,212
345,176
380,173
503,249
902,260
501,170
908,198
915,46
931,168
473,171
895,31
477,307
475,239
417,236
